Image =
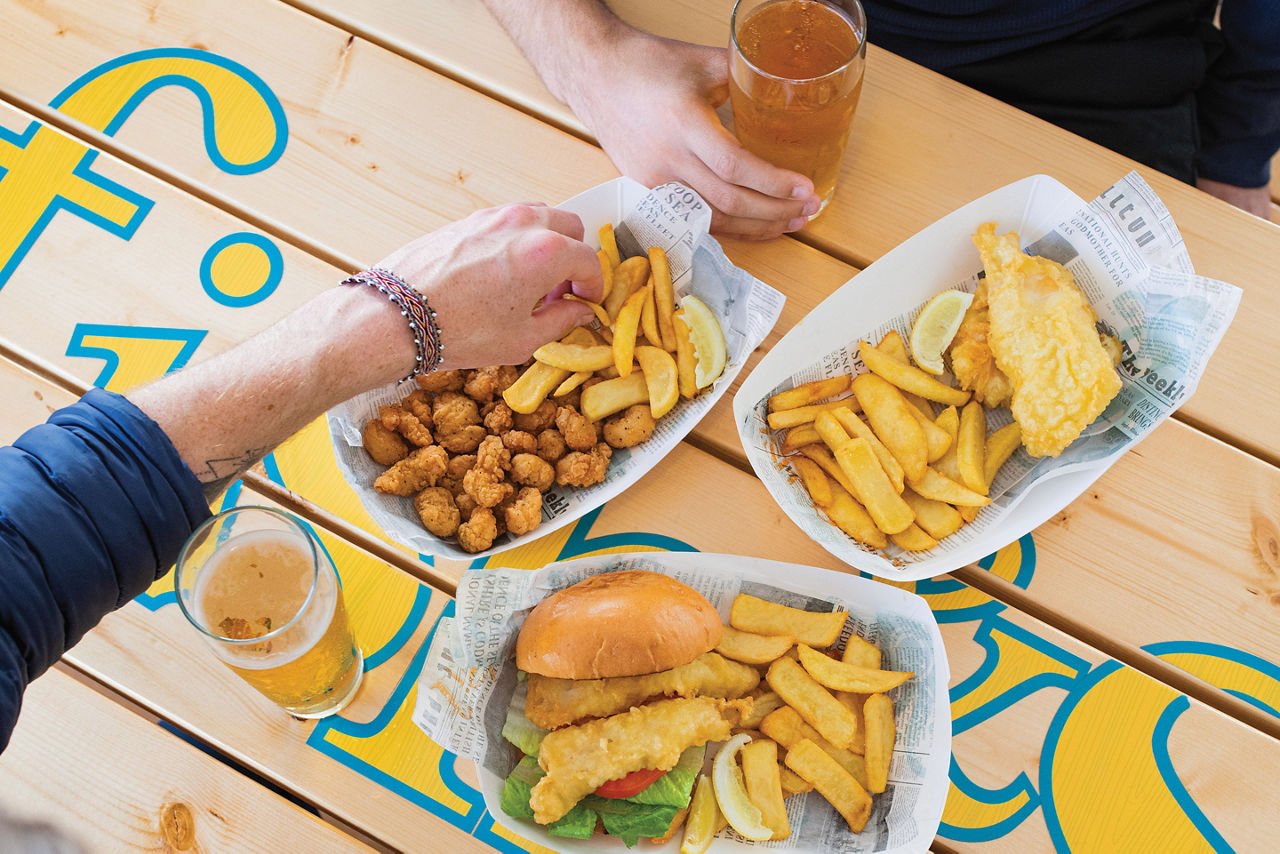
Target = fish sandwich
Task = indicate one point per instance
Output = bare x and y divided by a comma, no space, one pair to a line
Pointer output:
621,690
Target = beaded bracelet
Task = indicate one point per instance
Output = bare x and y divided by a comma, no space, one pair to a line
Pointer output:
413,305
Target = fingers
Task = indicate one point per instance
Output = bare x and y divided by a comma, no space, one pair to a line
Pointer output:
547,258
553,320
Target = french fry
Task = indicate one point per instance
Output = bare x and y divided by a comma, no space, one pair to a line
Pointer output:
859,429
686,360
877,710
596,308
913,539
764,784
625,330
851,517
575,357
893,422
937,440
786,727
816,705
1000,445
606,398
893,345
649,317
822,455
792,783
873,487
808,393
970,446
968,513
937,518
785,418
609,244
815,481
830,430
910,378
628,277
834,783
862,652
659,370
606,269
942,488
949,420
664,297
762,706
527,393
573,382
752,648
798,437
843,676
815,628
853,702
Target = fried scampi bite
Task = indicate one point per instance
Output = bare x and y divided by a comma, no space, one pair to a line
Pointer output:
630,427
386,447
438,511
577,468
414,473
524,512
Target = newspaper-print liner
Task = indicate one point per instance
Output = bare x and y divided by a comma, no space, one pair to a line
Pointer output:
1128,257
671,216
469,675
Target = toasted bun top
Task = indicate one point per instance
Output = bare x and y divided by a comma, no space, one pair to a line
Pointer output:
624,623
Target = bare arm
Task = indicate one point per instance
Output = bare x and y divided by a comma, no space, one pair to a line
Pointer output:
483,276
651,103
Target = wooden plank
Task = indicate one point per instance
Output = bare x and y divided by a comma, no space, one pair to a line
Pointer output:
114,781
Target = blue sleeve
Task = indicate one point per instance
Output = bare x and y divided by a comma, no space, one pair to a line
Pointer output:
1239,103
94,506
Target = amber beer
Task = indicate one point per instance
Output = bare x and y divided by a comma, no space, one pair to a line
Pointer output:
795,74
266,597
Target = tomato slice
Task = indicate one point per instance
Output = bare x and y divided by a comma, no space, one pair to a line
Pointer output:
629,784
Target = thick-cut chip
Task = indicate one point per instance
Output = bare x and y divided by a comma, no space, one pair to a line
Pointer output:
862,652
686,361
816,705
843,676
752,648
970,446
949,420
808,393
910,378
937,518
575,357
999,447
649,317
573,382
660,377
851,517
893,345
664,297
873,487
786,727
609,244
785,418
913,539
833,782
893,422
605,398
731,792
798,437
830,430
815,481
859,429
815,628
877,711
792,783
628,277
936,439
853,702
626,329
761,707
822,455
527,393
597,308
942,488
764,784
606,273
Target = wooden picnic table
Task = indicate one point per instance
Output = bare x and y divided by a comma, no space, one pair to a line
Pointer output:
1115,673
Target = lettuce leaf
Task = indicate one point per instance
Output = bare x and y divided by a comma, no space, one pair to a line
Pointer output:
517,728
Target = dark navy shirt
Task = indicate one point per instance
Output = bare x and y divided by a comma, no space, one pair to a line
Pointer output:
95,505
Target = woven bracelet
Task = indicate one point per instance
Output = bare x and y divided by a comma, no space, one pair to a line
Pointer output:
413,305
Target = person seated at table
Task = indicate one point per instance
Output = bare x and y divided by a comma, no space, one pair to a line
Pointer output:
1156,81
96,503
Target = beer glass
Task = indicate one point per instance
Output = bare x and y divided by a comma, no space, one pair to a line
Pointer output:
795,74
264,594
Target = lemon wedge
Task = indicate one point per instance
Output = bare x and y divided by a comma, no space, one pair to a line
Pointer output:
731,792
934,328
704,816
708,341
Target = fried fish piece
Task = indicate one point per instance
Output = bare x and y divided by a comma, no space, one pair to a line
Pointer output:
578,759
1044,337
972,361
555,702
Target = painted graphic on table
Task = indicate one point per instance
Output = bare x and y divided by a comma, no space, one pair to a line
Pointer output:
1105,758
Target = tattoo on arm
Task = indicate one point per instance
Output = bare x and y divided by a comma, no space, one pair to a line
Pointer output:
217,474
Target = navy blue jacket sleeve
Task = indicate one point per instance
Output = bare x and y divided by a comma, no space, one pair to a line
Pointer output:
94,506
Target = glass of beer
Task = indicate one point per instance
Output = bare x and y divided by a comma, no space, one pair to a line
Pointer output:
795,74
259,587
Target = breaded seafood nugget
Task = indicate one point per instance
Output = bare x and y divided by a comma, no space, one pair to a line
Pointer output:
532,470
463,441
386,447
452,411
551,446
441,381
538,420
583,469
525,512
437,510
579,433
630,427
483,384
498,417
478,533
414,473
520,442
405,423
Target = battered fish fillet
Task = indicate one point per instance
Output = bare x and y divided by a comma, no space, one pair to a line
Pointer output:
578,759
555,702
1044,339
972,361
